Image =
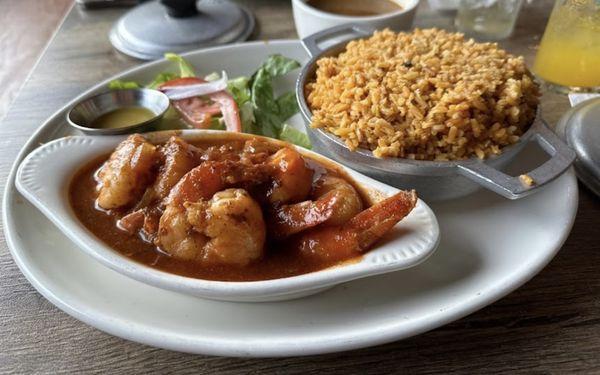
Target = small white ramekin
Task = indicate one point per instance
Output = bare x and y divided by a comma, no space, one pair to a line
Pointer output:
310,20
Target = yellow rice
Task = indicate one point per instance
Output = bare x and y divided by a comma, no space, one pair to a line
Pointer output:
426,95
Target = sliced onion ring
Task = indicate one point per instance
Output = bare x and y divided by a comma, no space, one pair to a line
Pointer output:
198,89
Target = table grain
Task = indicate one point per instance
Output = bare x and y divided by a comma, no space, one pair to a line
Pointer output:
26,27
550,325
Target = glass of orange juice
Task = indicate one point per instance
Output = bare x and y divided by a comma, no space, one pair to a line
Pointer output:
569,55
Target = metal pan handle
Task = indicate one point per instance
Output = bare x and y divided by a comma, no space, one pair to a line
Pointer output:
311,42
561,157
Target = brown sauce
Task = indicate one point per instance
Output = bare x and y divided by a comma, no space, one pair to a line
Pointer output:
278,262
356,8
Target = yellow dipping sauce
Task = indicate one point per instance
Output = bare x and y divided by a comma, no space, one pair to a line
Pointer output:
122,117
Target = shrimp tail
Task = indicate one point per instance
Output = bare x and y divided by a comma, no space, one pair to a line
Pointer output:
291,219
371,224
360,233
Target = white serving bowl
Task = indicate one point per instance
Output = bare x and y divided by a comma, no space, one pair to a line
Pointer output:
309,20
43,179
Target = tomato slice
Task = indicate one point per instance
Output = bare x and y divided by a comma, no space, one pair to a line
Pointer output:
198,112
229,109
182,82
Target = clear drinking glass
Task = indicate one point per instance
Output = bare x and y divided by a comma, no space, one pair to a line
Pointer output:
569,55
487,19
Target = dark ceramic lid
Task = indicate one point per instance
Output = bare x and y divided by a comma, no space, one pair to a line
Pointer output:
150,30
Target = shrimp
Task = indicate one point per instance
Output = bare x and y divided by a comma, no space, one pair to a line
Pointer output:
338,242
175,234
127,173
293,178
200,183
227,229
178,158
233,222
335,201
205,223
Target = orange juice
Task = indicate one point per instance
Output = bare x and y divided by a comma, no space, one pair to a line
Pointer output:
569,53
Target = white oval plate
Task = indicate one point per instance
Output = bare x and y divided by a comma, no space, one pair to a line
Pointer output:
489,247
44,174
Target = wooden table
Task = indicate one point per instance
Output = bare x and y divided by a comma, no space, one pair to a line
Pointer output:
27,25
552,324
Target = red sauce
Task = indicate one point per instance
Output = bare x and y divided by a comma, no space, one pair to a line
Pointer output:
278,262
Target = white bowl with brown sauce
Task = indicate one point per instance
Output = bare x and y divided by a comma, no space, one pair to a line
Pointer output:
51,178
312,16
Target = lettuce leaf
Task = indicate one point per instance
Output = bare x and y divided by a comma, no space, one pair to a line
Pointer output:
160,79
270,113
266,110
295,136
278,65
287,104
185,68
216,123
247,119
239,89
117,84
212,76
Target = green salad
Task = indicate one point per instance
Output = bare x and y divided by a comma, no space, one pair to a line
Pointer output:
246,104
